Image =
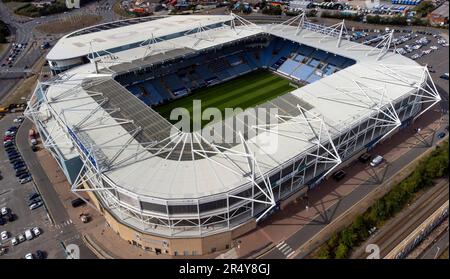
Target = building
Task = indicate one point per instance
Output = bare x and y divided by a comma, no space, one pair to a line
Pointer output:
440,15
42,3
182,193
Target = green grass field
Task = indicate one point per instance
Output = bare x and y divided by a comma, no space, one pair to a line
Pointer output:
243,92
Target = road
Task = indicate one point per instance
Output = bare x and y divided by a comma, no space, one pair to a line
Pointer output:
296,240
437,248
68,234
407,221
23,30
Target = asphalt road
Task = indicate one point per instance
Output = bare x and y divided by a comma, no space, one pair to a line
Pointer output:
437,248
23,30
307,232
68,234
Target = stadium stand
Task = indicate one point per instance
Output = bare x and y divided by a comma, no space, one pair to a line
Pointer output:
177,78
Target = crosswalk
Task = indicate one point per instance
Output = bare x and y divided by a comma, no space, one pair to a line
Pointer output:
285,249
64,224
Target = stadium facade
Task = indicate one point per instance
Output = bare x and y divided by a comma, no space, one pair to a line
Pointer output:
180,193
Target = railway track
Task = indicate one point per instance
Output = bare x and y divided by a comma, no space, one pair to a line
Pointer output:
387,240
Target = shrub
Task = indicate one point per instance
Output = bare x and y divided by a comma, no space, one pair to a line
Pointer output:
432,167
341,251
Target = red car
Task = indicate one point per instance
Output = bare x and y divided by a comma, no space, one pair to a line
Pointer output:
6,138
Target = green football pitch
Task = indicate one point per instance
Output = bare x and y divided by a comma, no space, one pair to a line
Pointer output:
243,92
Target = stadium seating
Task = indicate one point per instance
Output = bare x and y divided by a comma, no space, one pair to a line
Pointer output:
172,80
303,72
288,67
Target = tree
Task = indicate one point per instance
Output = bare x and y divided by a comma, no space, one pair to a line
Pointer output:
324,252
348,237
424,8
341,251
360,227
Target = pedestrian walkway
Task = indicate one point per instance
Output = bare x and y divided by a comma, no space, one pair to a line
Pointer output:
285,249
328,200
64,224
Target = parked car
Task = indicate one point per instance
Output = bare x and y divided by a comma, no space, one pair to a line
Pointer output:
4,235
36,231
14,157
5,211
21,168
364,158
29,235
441,135
14,241
32,196
376,161
33,201
21,237
18,164
29,256
339,175
25,175
36,205
7,144
12,161
25,180
19,173
40,254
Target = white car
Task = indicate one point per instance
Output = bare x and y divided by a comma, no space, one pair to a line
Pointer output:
376,161
29,256
18,120
29,235
10,133
25,180
4,211
35,205
14,241
4,235
21,238
36,231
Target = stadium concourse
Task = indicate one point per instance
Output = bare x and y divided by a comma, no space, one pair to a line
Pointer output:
184,193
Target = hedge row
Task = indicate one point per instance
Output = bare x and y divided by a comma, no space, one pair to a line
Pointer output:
430,168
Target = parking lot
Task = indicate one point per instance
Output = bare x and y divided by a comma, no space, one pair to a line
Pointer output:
14,196
413,44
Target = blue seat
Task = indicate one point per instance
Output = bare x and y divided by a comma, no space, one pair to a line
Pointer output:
288,67
303,72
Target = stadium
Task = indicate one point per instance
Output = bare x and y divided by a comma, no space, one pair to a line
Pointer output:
105,116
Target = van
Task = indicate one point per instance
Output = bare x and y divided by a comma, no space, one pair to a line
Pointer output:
28,234
376,161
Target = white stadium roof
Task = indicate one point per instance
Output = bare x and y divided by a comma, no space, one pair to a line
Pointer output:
340,100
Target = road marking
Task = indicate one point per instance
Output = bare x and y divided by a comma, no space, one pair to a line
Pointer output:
290,254
285,248
64,224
